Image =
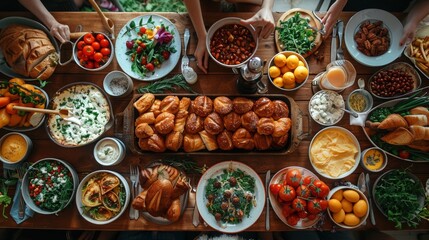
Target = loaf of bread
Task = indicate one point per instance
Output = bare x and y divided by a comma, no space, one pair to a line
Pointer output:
28,51
281,110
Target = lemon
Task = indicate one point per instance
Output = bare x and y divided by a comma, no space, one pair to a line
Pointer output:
339,216
301,63
335,205
351,195
274,72
301,73
347,206
338,195
351,220
360,208
278,81
285,69
292,61
280,60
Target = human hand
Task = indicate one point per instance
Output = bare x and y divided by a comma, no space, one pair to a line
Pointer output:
263,21
60,31
332,15
408,33
202,55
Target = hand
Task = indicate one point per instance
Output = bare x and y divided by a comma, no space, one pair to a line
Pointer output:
332,15
60,31
202,55
263,21
408,33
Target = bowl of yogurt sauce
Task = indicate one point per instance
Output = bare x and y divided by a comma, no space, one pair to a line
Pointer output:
109,151
14,148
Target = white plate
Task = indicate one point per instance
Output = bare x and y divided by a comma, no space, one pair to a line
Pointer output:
121,48
277,207
4,68
390,22
259,194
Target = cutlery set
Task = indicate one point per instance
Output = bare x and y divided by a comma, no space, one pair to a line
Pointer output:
337,32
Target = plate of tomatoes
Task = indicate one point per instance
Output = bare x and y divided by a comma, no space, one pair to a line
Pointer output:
93,51
298,197
148,47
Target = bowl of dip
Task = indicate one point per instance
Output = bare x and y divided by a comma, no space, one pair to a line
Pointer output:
374,159
109,151
334,152
117,84
359,101
14,147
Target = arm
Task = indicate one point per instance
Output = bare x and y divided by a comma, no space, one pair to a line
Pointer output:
332,15
263,20
419,11
60,31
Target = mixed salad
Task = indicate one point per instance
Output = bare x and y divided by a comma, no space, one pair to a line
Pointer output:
151,47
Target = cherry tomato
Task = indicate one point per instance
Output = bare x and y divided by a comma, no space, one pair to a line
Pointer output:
293,178
292,219
97,64
404,154
96,46
308,180
143,60
287,210
90,64
275,188
319,189
142,45
313,206
142,30
287,193
99,37
88,38
299,204
98,56
139,50
105,51
129,44
150,67
88,50
166,54
104,43
79,54
302,214
303,191
80,45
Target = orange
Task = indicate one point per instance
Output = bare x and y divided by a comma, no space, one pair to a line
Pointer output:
278,81
288,79
274,71
301,73
335,205
280,60
285,69
292,61
301,63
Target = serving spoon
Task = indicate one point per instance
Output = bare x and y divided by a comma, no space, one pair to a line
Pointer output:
64,113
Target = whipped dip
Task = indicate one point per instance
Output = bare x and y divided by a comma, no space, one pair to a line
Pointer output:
108,151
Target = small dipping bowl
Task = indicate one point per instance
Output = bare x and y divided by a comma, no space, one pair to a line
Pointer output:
373,159
117,84
109,151
360,101
15,147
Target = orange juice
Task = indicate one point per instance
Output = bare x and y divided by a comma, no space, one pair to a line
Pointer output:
336,76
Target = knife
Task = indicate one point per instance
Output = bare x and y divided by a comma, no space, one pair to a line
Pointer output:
267,214
334,44
371,209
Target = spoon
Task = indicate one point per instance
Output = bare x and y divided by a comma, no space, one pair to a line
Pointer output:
107,22
349,112
64,113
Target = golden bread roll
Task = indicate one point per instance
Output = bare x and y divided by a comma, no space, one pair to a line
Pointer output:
420,110
262,142
416,119
242,139
419,132
170,104
147,117
224,140
400,136
173,212
265,126
193,143
222,105
139,202
209,140
213,123
232,121
263,107
281,110
282,127
393,121
242,105
184,104
174,141
144,102
202,106
158,197
249,121
180,121
156,107
279,142
144,130
154,143
164,123
194,124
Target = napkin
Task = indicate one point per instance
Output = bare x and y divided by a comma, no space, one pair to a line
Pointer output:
360,120
15,206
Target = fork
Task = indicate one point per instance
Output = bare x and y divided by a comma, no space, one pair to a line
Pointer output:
134,174
196,213
340,53
21,209
185,58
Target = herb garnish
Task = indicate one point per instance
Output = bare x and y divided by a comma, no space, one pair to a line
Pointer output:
168,84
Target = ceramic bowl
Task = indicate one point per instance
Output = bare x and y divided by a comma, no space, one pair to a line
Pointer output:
359,101
298,83
117,84
14,151
89,64
374,159
109,151
324,107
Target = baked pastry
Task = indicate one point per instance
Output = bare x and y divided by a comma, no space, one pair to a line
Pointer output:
262,142
170,104
213,123
202,106
193,143
194,124
280,142
263,107
265,126
224,140
144,130
147,117
28,51
164,123
232,121
422,145
242,105
400,136
173,141
209,140
242,139
281,110
144,102
155,108
222,105
139,203
282,127
249,121
182,114
419,132
173,212
416,119
158,197
154,143
393,121
420,110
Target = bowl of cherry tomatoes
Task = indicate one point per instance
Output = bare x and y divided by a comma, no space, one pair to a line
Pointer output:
298,197
93,51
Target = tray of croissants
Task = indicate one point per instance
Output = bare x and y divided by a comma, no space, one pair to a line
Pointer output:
211,124
404,134
164,194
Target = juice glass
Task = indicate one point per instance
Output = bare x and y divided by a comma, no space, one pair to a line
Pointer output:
338,76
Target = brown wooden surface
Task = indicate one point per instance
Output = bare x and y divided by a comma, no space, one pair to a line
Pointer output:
219,81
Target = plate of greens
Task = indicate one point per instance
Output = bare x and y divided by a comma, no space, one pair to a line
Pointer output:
230,197
148,47
296,31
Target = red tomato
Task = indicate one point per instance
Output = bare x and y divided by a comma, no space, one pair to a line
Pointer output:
308,180
275,188
139,50
292,219
4,101
404,154
287,210
80,45
96,64
99,37
166,54
90,64
105,51
303,191
88,38
299,204
150,67
98,56
88,50
319,189
142,30
287,193
143,60
96,46
79,54
293,177
104,43
142,45
313,206
323,204
302,214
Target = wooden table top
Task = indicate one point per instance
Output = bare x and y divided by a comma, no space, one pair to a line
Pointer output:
219,81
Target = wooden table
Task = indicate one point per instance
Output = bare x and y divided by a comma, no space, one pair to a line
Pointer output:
219,81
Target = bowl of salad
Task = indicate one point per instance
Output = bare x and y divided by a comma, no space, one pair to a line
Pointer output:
49,185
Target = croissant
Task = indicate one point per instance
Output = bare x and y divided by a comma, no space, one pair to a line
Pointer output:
209,140
420,110
393,121
416,119
139,202
174,141
400,136
147,117
420,132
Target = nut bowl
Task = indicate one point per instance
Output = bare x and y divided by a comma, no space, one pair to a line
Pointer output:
288,73
231,43
49,185
83,51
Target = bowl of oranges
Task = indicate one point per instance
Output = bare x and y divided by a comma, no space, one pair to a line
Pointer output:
288,71
348,207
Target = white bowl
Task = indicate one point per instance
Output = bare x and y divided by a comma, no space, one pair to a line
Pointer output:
287,54
124,191
383,164
321,107
27,148
109,60
28,176
109,151
332,143
117,84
